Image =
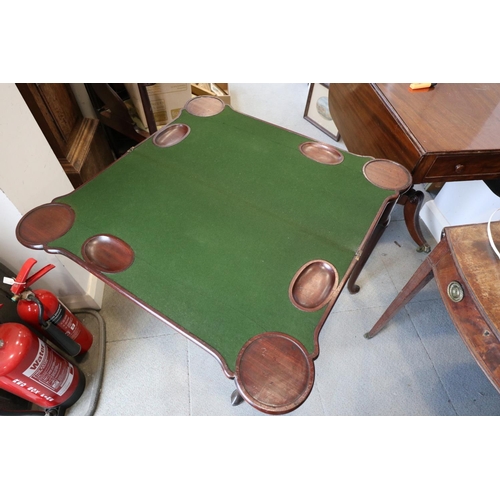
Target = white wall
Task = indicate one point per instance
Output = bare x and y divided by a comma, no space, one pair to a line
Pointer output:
31,175
459,203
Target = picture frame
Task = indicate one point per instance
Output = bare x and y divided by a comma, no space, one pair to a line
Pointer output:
317,112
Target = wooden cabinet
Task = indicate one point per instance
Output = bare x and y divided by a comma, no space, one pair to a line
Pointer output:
78,142
447,133
450,132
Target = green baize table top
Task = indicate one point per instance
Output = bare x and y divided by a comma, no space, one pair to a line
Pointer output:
221,222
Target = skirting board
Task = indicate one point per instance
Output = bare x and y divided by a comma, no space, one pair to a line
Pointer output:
92,299
433,218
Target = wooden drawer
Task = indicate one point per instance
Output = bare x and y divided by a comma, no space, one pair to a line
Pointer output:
478,334
462,167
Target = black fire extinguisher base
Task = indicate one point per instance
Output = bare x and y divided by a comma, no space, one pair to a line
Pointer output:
77,393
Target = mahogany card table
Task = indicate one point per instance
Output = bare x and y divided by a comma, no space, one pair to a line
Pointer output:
237,233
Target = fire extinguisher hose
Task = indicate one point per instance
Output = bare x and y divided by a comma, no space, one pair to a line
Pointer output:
67,344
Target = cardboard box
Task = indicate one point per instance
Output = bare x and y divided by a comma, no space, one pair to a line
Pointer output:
167,100
220,90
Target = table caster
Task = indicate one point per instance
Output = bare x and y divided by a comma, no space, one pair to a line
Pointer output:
424,248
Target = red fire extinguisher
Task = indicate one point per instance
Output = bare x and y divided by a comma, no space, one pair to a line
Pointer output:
32,370
43,310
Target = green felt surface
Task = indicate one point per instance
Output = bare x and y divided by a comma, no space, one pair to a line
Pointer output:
221,222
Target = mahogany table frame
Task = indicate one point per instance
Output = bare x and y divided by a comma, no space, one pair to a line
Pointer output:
467,273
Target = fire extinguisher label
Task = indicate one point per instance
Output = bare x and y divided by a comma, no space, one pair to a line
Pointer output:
50,370
65,321
58,315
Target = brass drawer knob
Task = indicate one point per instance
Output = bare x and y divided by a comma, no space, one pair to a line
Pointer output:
455,291
459,167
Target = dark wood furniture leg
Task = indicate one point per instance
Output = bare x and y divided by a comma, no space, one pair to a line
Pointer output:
370,245
236,398
387,175
412,203
421,277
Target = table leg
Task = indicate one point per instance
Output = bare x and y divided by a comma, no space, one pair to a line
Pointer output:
412,203
236,398
421,277
370,245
